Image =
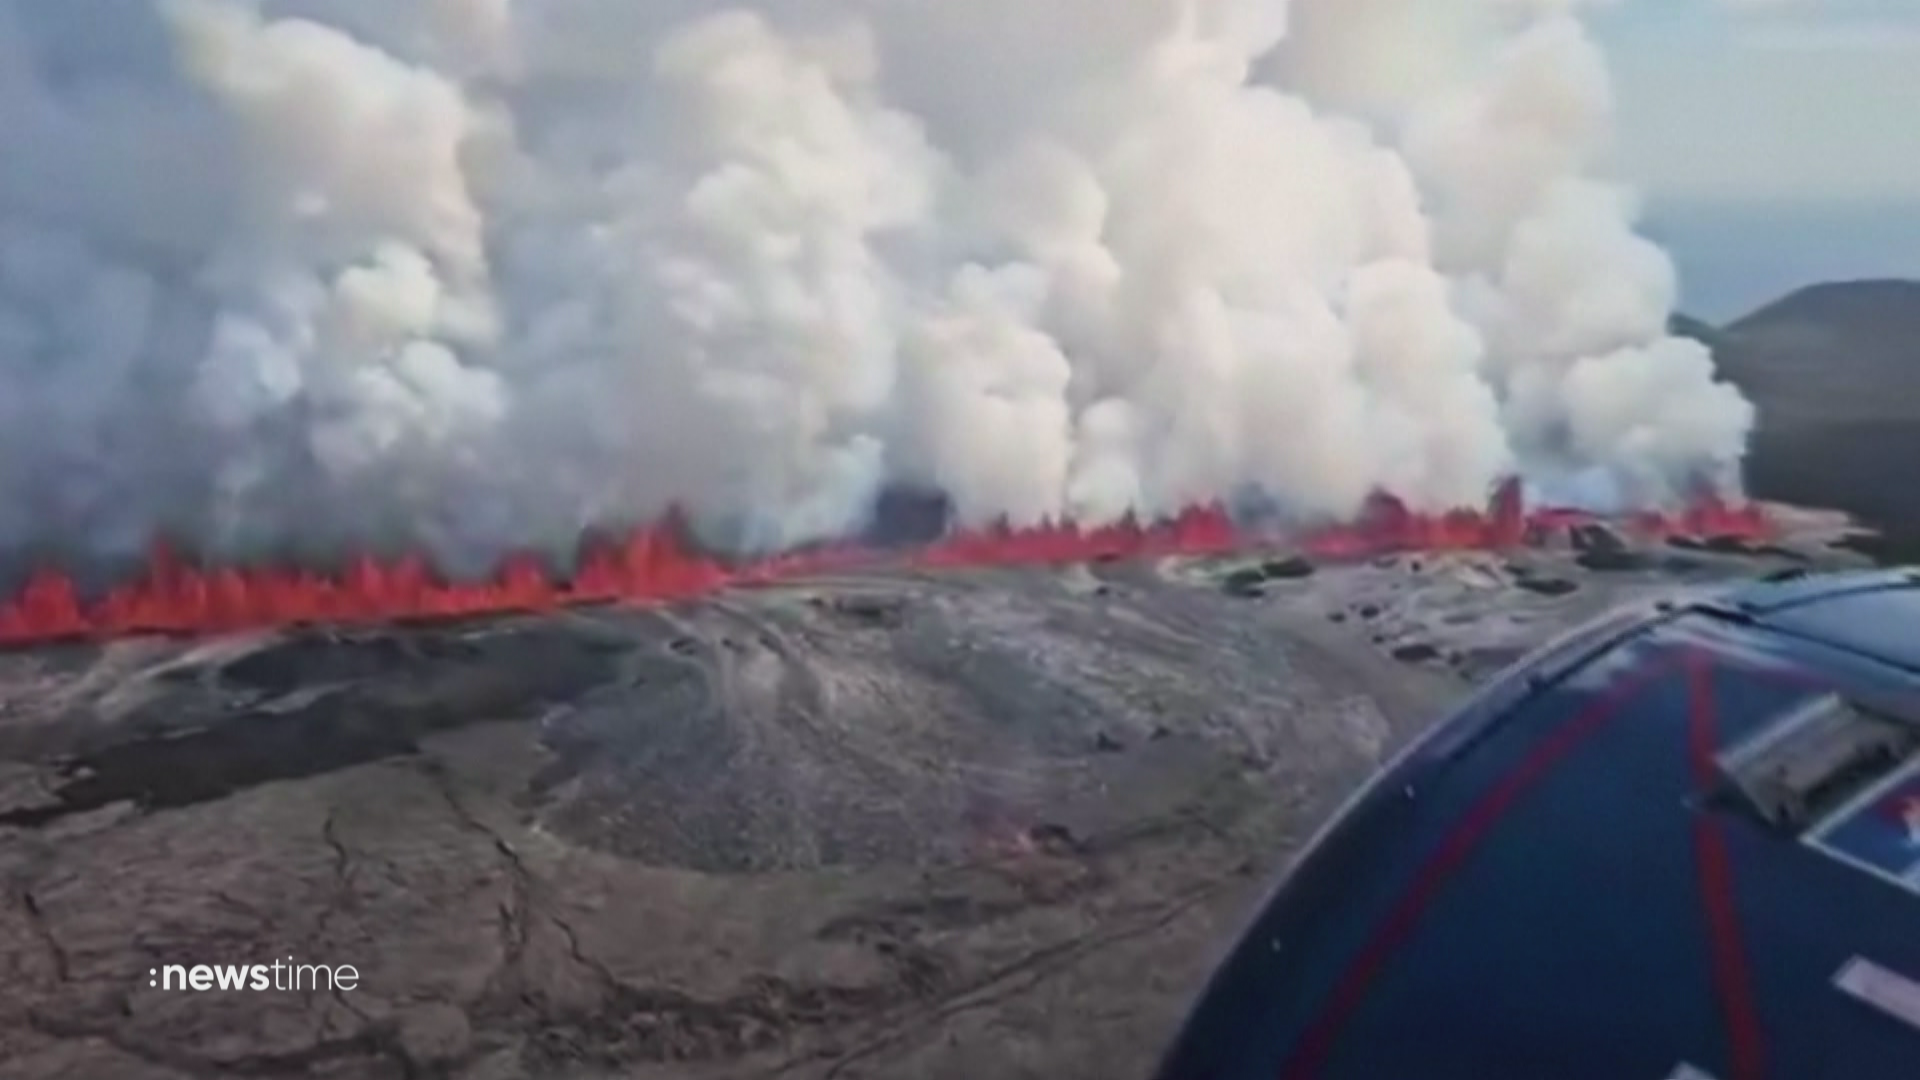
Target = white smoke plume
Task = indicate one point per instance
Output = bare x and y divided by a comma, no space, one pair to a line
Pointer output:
302,274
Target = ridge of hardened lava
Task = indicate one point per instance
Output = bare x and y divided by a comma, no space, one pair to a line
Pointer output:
657,565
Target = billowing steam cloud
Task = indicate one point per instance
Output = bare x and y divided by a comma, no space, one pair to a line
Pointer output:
475,273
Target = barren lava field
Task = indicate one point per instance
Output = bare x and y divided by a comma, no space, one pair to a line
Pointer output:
886,820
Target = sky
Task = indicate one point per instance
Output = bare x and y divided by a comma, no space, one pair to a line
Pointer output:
1775,140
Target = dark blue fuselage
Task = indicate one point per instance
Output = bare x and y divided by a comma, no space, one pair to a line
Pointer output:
1547,887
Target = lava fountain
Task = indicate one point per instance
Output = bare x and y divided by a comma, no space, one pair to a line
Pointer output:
658,565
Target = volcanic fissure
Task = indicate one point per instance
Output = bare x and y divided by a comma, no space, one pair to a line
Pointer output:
658,564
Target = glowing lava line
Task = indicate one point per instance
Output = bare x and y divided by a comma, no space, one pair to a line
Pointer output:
654,565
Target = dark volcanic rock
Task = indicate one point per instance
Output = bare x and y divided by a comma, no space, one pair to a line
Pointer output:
1548,586
1597,538
1287,569
316,659
880,612
1613,561
1249,583
1055,839
350,712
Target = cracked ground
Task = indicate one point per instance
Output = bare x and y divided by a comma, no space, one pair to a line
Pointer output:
987,824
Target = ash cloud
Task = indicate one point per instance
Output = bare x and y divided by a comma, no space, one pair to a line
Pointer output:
297,276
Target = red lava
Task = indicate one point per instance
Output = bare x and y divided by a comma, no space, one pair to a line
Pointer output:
655,565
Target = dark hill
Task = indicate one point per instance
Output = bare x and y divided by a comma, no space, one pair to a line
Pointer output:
1835,371
1831,355
1686,326
1841,302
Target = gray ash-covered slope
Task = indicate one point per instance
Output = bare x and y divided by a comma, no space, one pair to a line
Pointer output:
984,824
851,828
1835,371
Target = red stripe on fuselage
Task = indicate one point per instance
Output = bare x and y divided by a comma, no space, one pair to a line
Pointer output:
1732,982
1316,1045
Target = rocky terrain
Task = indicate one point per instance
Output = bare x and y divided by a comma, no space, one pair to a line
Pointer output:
980,824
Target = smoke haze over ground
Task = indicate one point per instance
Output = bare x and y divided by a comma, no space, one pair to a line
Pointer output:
473,274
